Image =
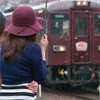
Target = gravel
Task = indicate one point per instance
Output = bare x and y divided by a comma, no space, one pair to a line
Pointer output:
54,96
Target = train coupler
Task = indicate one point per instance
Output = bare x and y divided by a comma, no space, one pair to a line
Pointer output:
62,72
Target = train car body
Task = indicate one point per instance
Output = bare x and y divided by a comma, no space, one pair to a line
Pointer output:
73,30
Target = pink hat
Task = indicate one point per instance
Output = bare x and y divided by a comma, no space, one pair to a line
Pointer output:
9,20
24,22
41,21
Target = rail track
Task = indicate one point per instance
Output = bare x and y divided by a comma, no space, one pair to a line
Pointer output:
79,93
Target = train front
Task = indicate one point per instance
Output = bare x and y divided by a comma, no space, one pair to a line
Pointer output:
73,54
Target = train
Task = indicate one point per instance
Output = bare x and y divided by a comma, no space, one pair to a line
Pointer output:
73,30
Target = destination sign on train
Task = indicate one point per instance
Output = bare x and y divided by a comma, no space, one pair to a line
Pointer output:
59,16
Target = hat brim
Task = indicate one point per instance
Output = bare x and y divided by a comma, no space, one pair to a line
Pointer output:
8,22
23,31
41,21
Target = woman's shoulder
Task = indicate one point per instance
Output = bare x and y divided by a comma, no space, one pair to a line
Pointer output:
32,45
32,48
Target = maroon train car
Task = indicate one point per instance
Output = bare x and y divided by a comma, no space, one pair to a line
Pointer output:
73,30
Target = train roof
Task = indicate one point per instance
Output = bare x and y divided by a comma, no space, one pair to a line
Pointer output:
62,5
65,5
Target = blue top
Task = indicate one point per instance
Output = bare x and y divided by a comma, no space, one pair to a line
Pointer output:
28,67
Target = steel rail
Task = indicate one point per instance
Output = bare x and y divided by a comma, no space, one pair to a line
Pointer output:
73,94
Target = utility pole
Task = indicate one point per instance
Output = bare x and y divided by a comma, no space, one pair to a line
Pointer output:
45,22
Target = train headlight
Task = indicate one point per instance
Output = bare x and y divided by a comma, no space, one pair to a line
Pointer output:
85,3
82,3
62,48
99,48
59,48
79,3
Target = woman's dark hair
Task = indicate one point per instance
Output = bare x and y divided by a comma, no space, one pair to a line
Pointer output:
15,45
2,23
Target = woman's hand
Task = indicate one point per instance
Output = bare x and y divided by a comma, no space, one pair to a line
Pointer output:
43,45
44,42
33,86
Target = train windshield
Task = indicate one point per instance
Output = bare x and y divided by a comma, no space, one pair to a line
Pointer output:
81,26
97,25
59,24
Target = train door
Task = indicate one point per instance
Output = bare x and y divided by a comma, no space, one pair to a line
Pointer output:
96,38
81,37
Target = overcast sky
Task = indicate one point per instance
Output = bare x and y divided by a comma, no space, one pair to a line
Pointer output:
8,3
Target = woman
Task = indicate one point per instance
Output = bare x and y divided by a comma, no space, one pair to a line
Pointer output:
2,25
33,86
22,59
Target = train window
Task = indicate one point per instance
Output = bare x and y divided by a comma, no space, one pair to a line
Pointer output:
81,26
97,25
40,33
59,25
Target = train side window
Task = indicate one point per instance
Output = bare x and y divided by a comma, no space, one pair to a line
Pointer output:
81,26
97,25
59,25
40,33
